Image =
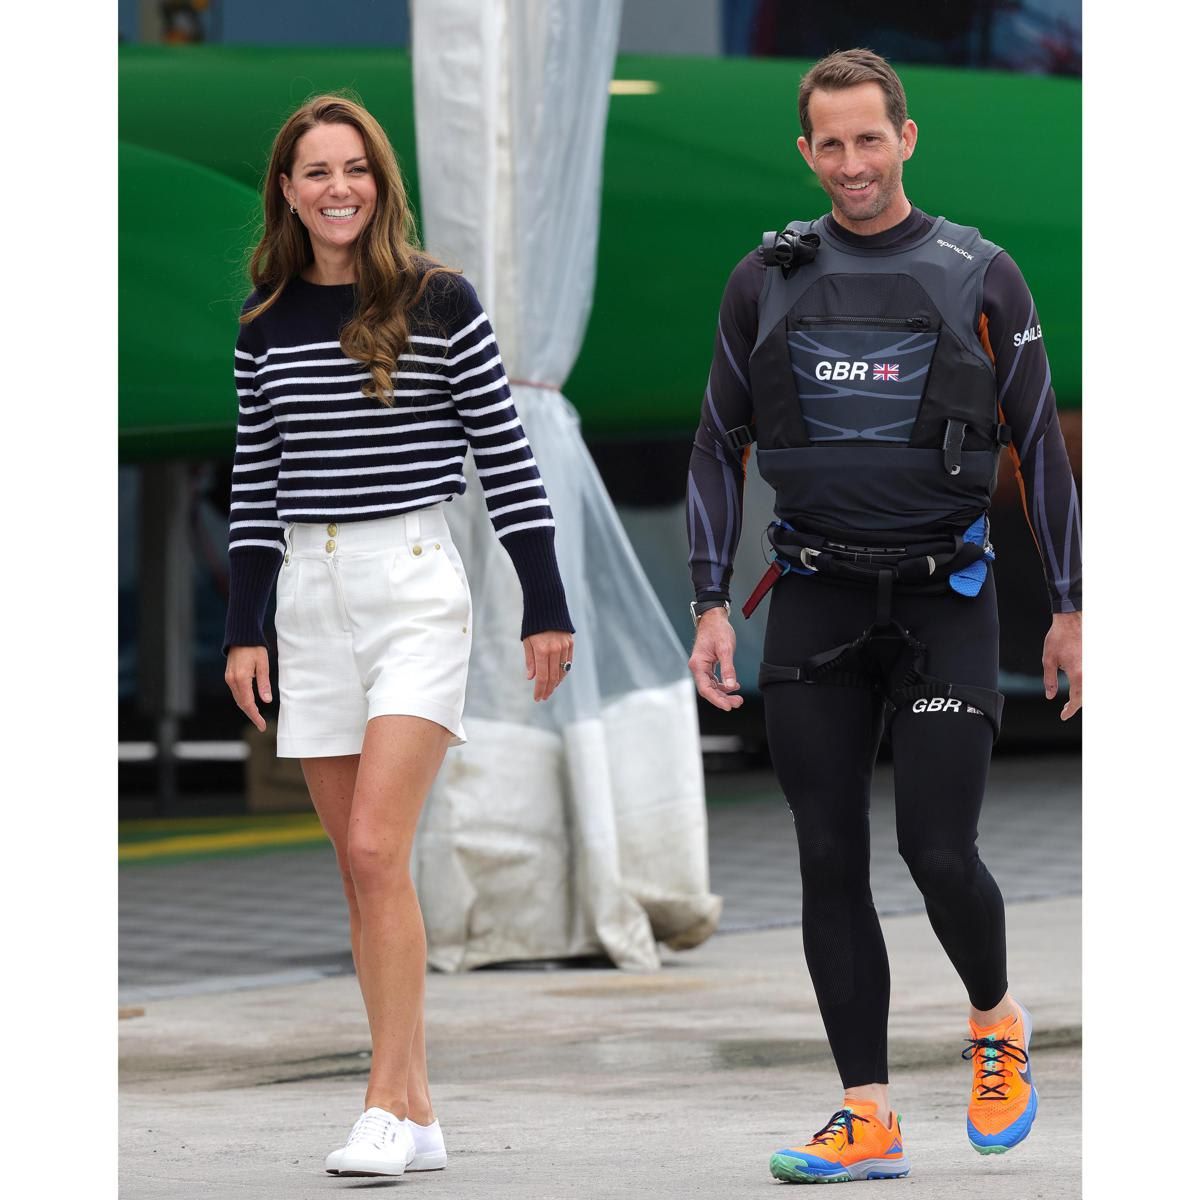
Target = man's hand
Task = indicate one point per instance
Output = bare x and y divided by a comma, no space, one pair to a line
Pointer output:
244,667
714,646
1063,649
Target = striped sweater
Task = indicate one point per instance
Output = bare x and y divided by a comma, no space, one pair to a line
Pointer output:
311,448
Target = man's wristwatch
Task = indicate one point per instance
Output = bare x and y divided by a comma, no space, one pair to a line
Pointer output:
702,606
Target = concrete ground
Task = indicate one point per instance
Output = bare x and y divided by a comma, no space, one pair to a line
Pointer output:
594,1083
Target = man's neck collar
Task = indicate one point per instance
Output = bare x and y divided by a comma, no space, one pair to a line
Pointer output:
840,228
914,224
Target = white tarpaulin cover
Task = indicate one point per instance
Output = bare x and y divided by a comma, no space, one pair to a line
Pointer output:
576,826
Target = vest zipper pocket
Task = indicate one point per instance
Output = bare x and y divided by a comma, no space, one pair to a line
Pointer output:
874,322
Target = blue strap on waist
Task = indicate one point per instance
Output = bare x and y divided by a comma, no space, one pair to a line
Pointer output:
969,581
786,565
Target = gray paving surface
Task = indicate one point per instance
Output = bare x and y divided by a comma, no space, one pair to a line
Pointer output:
596,1084
247,915
1029,837
248,1060
215,923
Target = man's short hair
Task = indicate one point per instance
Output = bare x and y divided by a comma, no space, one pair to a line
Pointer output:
847,69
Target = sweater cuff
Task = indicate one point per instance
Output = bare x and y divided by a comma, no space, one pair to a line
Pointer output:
532,553
252,573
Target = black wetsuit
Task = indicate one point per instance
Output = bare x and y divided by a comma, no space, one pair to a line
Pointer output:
823,739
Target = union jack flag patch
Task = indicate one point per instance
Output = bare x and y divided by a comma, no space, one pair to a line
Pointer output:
888,371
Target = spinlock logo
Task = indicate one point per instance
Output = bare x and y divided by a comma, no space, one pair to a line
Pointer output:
1032,334
956,249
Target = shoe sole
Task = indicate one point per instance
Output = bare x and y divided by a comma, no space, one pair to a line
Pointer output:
361,1167
1024,1123
431,1160
789,1170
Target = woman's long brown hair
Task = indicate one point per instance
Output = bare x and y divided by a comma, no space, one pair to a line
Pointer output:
390,273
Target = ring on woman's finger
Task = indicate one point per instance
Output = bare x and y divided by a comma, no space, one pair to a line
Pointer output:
564,667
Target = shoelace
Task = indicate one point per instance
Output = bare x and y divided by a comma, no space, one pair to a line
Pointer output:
842,1121
370,1127
991,1052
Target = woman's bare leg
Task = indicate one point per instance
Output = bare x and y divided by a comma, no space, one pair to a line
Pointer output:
400,758
405,754
420,1106
331,786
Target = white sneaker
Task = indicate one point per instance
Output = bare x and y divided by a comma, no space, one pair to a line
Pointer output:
431,1147
379,1144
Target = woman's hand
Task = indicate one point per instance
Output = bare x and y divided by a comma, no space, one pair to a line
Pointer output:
547,657
244,665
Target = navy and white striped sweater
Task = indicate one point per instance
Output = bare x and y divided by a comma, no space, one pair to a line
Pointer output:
311,448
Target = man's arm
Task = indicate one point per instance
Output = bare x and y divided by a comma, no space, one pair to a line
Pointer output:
1012,334
716,477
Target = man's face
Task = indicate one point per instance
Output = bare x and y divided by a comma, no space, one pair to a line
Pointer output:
858,156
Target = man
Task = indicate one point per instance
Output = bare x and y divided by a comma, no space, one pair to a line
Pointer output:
882,359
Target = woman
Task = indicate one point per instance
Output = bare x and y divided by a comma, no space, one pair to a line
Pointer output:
363,372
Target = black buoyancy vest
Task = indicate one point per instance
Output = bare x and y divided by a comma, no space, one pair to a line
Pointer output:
875,404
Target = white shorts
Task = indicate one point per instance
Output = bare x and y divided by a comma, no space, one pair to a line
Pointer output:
373,618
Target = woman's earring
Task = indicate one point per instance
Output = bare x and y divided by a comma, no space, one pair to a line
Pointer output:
292,207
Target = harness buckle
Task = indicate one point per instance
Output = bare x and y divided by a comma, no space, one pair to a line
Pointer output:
952,444
739,438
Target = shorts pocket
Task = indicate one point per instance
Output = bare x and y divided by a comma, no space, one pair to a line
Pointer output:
285,591
429,585
451,557
454,585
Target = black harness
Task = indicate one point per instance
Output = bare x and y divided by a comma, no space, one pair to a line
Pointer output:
887,659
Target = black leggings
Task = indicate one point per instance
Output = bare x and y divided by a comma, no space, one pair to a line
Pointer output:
823,740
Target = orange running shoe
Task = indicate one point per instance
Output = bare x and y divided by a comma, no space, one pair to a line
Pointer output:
855,1144
1003,1101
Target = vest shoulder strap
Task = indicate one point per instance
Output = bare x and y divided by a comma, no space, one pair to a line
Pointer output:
966,287
968,238
774,288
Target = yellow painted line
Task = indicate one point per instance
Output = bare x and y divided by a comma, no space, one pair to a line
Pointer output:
202,843
632,87
255,821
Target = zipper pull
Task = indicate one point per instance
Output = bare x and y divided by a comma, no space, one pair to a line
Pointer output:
921,322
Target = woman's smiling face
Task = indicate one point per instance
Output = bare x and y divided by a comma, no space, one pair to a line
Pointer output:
331,187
